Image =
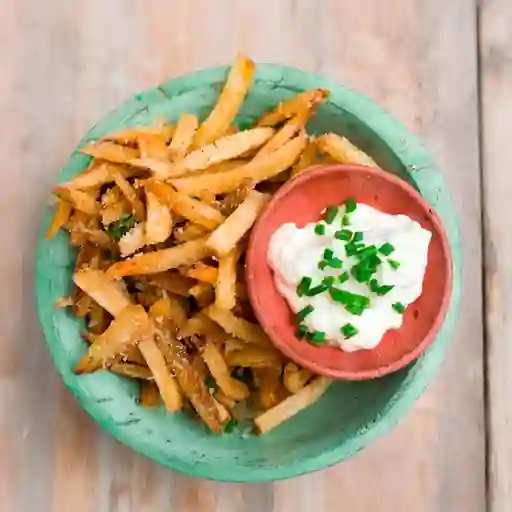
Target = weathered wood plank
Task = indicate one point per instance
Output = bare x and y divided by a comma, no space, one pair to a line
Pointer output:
65,65
496,68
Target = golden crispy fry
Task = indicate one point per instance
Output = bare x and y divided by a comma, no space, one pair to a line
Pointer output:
192,209
183,136
237,86
233,388
287,132
202,325
295,378
114,206
225,286
203,293
189,232
63,302
159,220
134,371
255,171
225,237
172,282
232,345
62,214
270,391
152,146
81,200
99,175
342,150
149,395
237,327
254,356
307,159
139,212
131,135
209,198
171,309
203,272
82,306
223,399
98,319
99,238
110,347
292,405
292,106
134,240
111,152
159,261
226,148
107,292
167,386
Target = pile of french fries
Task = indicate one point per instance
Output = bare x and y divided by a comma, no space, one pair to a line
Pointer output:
160,219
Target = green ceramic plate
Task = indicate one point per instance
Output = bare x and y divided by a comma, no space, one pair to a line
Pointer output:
350,415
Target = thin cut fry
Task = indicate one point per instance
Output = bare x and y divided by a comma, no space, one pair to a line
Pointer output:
134,240
233,388
107,292
292,405
192,209
295,378
124,185
110,151
170,309
172,282
159,220
152,146
149,395
62,214
255,171
202,325
254,356
81,200
114,206
63,302
159,261
237,327
270,389
225,287
203,293
342,150
307,159
183,136
225,237
203,272
291,106
134,371
131,135
232,96
189,232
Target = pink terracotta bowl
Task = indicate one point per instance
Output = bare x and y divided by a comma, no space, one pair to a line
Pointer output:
301,201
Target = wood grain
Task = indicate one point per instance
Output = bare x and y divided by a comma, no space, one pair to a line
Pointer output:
496,66
64,65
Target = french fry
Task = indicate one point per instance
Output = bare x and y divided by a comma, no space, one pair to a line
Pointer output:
110,151
152,146
307,159
254,356
125,330
133,371
203,293
159,261
192,209
149,395
63,302
292,106
201,325
237,86
233,388
183,136
237,327
342,150
98,319
295,378
98,176
159,220
225,237
131,135
172,309
107,292
172,282
61,216
189,232
270,389
202,272
114,206
292,405
225,286
82,201
139,212
255,171
134,240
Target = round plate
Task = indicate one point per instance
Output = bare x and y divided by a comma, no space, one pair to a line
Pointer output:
317,437
301,201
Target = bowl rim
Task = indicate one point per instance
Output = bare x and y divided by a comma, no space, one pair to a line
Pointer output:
259,305
422,171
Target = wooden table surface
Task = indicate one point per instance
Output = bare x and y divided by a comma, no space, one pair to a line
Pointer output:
444,68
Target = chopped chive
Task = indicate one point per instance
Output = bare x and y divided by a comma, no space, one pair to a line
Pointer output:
374,285
361,274
301,331
352,248
303,313
320,229
328,281
316,290
350,205
328,254
386,249
330,214
384,289
322,264
352,302
398,307
345,220
393,263
341,296
303,286
369,250
316,338
230,425
358,236
211,384
343,278
334,263
344,234
348,330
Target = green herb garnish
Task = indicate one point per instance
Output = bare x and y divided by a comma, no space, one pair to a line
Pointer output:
384,289
350,205
303,286
343,278
316,338
328,281
348,330
334,263
120,227
345,220
211,384
344,234
393,263
386,249
230,425
320,229
330,214
322,264
303,313
301,331
317,290
398,307
328,254
358,236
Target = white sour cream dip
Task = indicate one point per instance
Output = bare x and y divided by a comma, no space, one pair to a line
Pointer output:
295,252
